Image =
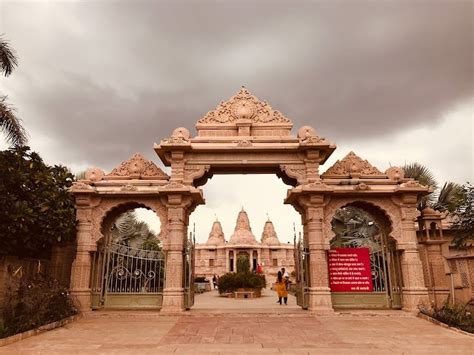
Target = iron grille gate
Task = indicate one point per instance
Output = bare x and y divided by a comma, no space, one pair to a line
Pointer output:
188,274
302,274
127,277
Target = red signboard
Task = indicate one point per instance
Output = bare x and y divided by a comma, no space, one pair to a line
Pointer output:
349,270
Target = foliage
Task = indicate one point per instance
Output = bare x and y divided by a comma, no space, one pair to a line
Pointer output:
453,315
9,123
243,263
463,223
231,281
37,210
446,199
354,228
34,302
130,231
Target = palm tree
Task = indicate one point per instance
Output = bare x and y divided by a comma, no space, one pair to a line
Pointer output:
9,123
446,199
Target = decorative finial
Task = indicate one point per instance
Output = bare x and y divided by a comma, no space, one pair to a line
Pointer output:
217,219
268,217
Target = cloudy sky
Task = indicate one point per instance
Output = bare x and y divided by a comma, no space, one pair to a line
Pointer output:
100,80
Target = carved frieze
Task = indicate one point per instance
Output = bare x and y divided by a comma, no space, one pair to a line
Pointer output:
138,167
244,106
352,166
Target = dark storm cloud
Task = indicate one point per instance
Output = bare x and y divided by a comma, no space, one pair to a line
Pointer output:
105,79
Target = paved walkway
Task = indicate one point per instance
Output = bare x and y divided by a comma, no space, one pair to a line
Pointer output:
268,329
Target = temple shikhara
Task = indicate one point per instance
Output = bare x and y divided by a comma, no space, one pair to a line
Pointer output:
364,242
218,255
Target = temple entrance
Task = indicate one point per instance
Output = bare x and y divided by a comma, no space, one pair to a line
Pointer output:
364,268
128,268
245,135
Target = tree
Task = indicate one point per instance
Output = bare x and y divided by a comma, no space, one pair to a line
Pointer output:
9,123
37,209
445,199
129,231
463,223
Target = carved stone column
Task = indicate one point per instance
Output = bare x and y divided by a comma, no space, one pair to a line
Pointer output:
319,291
81,267
173,293
414,290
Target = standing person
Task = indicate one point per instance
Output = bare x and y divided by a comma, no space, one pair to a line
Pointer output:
281,288
214,281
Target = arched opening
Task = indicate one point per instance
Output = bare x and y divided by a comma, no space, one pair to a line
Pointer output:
364,268
128,266
244,218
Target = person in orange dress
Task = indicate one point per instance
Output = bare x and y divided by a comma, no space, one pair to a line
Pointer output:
281,288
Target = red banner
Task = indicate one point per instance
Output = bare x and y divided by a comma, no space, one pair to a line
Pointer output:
349,270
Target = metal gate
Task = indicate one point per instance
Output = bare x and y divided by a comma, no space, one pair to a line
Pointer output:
127,277
302,273
188,274
386,280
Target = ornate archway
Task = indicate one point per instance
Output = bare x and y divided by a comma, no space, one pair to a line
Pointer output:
245,135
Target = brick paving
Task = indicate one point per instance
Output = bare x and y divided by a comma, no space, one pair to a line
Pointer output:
267,330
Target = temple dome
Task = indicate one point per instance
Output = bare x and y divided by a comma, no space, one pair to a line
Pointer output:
216,236
243,233
269,236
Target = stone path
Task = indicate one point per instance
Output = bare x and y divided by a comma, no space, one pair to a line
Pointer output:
268,329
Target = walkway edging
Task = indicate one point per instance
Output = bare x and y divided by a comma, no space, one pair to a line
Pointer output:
444,325
41,329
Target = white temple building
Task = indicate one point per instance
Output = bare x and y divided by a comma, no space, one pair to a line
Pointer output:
218,256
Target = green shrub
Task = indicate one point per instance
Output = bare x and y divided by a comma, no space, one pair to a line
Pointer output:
456,315
232,281
34,302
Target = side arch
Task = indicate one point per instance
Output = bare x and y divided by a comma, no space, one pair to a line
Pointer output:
380,207
108,208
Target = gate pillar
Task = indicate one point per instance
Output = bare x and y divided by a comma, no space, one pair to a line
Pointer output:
414,290
81,267
311,208
179,205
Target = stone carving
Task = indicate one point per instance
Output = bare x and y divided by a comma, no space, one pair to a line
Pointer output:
411,183
352,166
180,135
295,171
395,173
362,187
129,187
307,135
79,186
193,172
94,174
138,167
243,143
244,106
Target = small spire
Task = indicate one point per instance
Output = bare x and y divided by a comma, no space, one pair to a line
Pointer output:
268,217
215,215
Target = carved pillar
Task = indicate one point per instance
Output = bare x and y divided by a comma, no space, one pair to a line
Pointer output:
319,291
173,293
81,267
414,290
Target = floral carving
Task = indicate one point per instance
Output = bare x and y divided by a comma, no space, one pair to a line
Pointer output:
138,166
180,135
129,187
307,135
244,106
352,166
243,143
